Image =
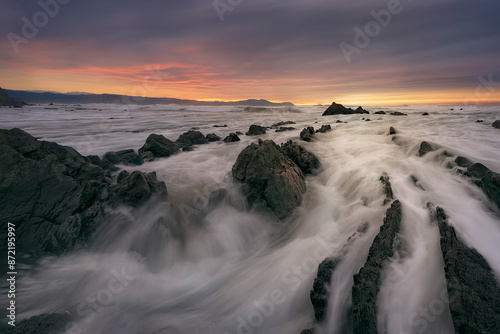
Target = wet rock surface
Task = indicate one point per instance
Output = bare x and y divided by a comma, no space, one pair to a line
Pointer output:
367,281
425,148
41,324
231,138
191,138
270,177
255,130
307,162
55,196
307,134
473,291
160,146
124,157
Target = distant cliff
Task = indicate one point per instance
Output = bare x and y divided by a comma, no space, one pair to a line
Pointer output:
37,97
6,100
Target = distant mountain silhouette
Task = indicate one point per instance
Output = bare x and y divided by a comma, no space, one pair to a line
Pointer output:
50,97
6,100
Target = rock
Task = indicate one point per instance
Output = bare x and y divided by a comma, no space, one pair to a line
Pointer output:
188,149
479,121
307,162
269,176
41,324
55,196
381,112
338,109
307,134
360,110
496,124
137,188
397,113
308,331
339,121
239,133
7,101
233,137
392,131
280,124
367,282
425,114
368,120
103,163
387,189
212,137
463,162
191,138
319,293
478,170
220,126
255,130
124,157
324,128
147,156
160,146
474,293
284,128
425,148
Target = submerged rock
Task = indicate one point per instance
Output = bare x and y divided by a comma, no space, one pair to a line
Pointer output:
397,113
307,162
387,189
381,112
160,146
496,124
319,293
280,124
137,188
425,114
425,148
191,138
212,137
307,134
256,130
367,281
269,176
42,324
473,291
324,128
233,137
124,157
284,128
55,196
392,131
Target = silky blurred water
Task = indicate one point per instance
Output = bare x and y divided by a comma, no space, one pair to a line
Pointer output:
188,266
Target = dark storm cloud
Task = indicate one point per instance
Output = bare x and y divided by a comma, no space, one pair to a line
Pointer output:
438,41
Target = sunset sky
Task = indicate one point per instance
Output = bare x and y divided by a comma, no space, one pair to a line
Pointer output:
431,51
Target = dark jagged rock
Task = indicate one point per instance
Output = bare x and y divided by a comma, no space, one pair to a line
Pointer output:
284,128
463,162
233,137
160,146
280,124
103,163
338,109
212,137
270,176
496,124
473,291
392,131
7,101
220,126
307,134
397,113
478,170
324,128
381,112
55,196
425,114
487,180
425,148
319,293
191,138
147,156
41,324
368,120
137,188
387,189
124,157
307,162
367,281
360,110
255,130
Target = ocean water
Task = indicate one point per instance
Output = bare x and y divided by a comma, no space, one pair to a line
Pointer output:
188,266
